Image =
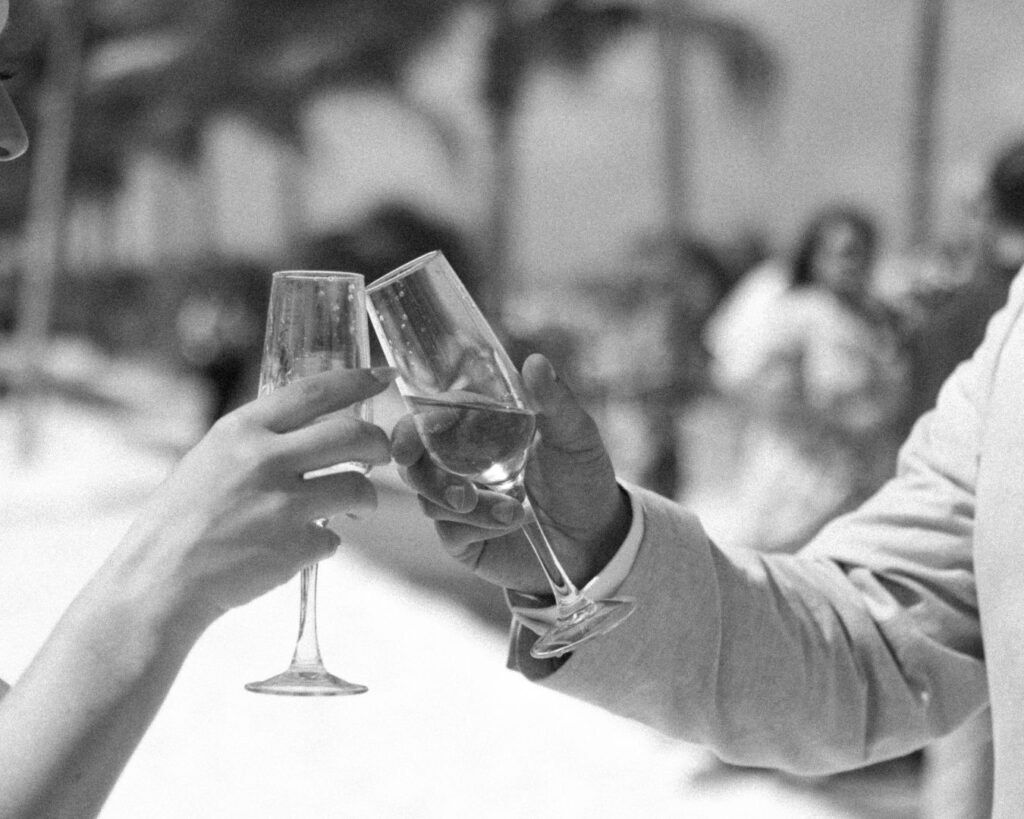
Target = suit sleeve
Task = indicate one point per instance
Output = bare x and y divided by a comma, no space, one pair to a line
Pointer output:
863,646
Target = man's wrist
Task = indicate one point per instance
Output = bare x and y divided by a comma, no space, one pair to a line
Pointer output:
537,612
609,540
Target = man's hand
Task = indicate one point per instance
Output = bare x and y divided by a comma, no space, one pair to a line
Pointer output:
569,478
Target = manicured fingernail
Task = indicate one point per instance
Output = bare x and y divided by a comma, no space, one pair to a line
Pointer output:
503,512
385,375
455,496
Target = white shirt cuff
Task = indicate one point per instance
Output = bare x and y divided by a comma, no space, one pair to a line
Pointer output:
601,587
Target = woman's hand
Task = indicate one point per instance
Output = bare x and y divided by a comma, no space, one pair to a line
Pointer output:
236,517
570,480
232,521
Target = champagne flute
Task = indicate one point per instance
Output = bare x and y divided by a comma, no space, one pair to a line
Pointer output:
472,413
316,322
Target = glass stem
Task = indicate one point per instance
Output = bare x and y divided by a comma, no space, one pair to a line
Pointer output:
307,647
568,599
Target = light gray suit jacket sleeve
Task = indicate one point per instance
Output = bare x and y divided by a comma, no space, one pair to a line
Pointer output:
863,646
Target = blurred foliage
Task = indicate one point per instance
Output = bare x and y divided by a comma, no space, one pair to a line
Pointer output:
130,311
159,71
390,235
263,60
570,35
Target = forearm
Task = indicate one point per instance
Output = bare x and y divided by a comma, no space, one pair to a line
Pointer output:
776,661
70,724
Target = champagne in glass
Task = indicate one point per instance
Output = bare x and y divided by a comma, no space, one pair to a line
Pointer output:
486,443
472,413
316,322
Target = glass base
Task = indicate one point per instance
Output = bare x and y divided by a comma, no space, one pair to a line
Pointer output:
589,622
309,683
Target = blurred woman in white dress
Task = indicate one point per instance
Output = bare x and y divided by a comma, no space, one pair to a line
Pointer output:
816,367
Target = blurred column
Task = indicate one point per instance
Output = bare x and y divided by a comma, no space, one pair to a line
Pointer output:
928,69
673,135
48,202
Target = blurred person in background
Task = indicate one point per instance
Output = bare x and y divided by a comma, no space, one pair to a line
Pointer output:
388,235
698,281
219,327
638,360
959,769
817,367
216,339
948,322
233,520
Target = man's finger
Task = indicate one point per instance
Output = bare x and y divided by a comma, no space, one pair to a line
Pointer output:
562,422
305,400
439,486
464,543
406,446
423,475
493,512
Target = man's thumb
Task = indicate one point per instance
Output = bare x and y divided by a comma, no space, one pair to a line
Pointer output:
561,418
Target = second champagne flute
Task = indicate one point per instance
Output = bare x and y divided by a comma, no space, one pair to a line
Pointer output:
473,416
316,322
